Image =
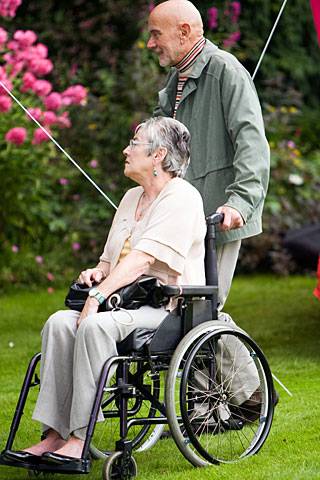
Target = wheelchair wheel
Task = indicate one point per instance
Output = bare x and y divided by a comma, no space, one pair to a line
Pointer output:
108,432
218,395
115,469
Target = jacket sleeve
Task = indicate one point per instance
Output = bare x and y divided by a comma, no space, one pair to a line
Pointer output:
245,126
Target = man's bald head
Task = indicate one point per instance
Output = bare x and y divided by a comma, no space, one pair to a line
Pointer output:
175,26
180,11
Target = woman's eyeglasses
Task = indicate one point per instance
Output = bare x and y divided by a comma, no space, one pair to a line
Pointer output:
134,143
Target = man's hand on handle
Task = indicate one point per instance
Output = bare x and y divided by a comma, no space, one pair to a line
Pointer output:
232,218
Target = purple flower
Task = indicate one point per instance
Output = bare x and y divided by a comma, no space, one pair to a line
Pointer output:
235,11
15,248
94,163
76,246
232,39
213,13
39,259
291,144
63,181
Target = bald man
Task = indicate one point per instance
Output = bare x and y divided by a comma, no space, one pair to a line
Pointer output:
209,91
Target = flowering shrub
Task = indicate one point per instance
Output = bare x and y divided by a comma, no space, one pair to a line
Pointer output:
223,22
30,172
293,197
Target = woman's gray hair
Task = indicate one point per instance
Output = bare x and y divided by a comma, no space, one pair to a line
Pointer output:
172,135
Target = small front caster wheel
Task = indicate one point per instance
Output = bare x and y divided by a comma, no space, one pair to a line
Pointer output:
117,468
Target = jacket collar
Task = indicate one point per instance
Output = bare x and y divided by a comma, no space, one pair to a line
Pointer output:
203,59
167,95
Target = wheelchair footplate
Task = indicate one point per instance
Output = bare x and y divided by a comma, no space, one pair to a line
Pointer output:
76,466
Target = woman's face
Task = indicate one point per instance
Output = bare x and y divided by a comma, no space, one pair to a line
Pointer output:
138,164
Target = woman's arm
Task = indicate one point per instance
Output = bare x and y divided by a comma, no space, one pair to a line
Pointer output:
135,264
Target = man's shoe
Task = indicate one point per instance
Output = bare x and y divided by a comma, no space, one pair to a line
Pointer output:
249,411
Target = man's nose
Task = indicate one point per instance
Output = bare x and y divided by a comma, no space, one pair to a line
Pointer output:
151,43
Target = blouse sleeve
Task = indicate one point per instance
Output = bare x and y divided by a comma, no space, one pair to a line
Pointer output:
175,224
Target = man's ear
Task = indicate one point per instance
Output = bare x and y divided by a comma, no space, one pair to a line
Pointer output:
184,32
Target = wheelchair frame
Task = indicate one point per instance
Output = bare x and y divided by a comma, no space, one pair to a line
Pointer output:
186,346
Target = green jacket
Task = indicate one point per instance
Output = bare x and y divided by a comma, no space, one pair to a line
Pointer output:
230,158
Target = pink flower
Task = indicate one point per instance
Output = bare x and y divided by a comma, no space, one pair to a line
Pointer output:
4,79
40,66
40,50
232,39
42,87
16,135
35,112
213,14
63,121
53,101
49,118
25,38
3,36
39,136
15,248
39,259
28,81
63,181
76,246
5,103
50,276
8,8
94,163
50,290
76,94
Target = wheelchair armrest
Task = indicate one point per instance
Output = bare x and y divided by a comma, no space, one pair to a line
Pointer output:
189,290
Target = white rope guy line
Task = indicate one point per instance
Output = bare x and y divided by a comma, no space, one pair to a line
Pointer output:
58,145
269,39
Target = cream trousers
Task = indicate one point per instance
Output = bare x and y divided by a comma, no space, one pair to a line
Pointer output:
72,360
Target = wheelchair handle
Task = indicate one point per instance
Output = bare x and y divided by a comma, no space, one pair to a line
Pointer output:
213,220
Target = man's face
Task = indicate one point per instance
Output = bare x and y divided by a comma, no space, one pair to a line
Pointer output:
164,40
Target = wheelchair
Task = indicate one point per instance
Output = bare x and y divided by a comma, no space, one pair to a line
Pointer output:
191,374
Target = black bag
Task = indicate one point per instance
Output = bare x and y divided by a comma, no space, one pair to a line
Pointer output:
144,291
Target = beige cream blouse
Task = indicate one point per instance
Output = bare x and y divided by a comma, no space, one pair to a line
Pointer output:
172,230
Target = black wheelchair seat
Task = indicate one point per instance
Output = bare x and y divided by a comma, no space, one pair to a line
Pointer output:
165,338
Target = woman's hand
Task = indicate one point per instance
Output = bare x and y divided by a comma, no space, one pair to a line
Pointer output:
90,307
92,275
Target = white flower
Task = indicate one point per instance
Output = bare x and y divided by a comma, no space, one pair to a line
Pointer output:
295,179
10,344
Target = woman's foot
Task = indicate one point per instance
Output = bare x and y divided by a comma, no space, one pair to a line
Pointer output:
52,442
72,448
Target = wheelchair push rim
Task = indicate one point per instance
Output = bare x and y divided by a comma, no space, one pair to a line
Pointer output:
206,421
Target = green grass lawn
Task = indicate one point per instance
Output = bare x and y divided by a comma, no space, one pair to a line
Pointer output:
279,313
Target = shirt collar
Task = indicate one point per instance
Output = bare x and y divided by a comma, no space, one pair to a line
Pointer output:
190,58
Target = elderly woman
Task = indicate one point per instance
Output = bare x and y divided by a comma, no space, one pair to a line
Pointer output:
158,230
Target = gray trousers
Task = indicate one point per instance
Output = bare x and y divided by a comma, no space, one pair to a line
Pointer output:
235,357
72,360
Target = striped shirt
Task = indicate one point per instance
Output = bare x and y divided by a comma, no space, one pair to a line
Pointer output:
184,66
